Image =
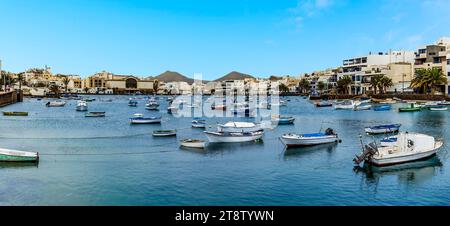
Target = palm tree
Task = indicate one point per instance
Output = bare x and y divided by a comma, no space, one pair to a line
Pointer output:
20,80
343,83
283,88
86,89
155,86
427,79
304,85
375,82
55,90
66,81
385,82
320,86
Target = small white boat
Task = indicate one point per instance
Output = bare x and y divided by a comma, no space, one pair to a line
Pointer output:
132,103
283,120
347,105
140,119
8,155
191,143
408,147
362,107
438,108
172,110
299,140
81,105
238,127
55,104
233,137
198,123
380,129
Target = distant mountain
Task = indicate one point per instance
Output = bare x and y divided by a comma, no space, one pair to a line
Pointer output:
234,75
171,76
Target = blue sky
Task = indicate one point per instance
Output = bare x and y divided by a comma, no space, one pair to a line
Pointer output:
259,37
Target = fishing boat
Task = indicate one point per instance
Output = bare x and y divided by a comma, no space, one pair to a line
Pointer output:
191,143
382,108
132,103
346,105
198,123
411,108
438,108
298,140
380,129
236,127
152,105
88,99
81,105
15,113
283,120
222,107
95,114
444,103
324,103
362,107
7,155
233,137
408,147
140,119
55,103
164,133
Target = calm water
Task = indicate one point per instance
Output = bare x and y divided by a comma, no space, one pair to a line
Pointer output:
106,161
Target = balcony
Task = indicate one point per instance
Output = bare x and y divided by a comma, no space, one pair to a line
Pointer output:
442,54
421,56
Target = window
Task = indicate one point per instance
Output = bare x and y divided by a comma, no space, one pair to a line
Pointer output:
448,73
448,61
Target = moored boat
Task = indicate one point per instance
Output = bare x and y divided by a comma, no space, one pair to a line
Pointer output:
238,127
382,108
411,108
8,155
380,129
298,140
346,105
438,108
132,103
324,103
283,120
55,104
172,110
15,113
81,105
362,107
199,123
95,114
192,143
233,137
408,147
164,133
140,119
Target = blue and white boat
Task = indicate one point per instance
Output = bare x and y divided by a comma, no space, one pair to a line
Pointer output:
382,108
233,137
299,140
199,123
380,129
140,119
132,103
81,106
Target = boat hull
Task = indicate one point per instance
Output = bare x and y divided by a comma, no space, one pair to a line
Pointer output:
18,156
199,145
402,159
214,138
145,121
15,113
308,141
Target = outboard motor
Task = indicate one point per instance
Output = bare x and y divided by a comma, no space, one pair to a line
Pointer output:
329,131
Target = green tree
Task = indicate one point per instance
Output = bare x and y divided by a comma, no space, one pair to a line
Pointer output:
428,79
303,85
66,81
385,83
283,88
320,87
55,90
375,82
343,83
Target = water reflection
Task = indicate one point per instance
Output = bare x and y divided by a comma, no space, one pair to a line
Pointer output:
4,165
408,173
304,151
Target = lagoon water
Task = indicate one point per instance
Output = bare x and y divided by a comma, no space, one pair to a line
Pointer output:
107,161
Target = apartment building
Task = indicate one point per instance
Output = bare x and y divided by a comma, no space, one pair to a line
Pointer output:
361,69
105,82
436,55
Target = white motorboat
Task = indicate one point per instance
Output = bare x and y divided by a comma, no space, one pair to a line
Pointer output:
8,155
408,147
164,133
238,127
347,105
191,143
438,108
380,129
55,103
362,107
140,119
81,105
298,140
233,137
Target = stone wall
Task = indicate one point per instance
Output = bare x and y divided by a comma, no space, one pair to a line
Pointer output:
8,98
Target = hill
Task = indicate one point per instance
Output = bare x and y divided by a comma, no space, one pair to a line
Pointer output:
171,76
234,75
